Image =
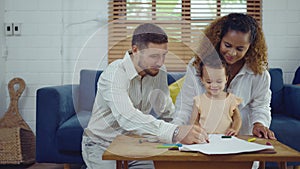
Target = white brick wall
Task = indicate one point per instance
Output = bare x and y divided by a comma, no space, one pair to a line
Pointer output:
2,62
55,32
281,23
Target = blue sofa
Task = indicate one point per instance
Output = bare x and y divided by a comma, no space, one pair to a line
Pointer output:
285,110
61,114
63,111
297,76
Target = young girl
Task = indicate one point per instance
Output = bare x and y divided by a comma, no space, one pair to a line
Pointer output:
240,42
216,110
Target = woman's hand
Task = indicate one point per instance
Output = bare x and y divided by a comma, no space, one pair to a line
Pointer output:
261,131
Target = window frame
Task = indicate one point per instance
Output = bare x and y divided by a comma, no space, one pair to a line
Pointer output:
121,28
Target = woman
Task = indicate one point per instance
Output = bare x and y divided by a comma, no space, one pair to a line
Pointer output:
239,40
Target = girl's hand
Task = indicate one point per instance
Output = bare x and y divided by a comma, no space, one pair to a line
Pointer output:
231,132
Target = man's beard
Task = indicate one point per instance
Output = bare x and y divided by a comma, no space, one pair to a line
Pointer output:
151,72
148,71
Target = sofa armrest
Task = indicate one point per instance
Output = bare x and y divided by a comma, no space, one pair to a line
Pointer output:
292,100
56,101
54,105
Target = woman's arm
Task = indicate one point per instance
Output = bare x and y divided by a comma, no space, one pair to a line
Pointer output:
260,106
184,101
260,99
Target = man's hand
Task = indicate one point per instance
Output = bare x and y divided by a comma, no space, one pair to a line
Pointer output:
192,134
261,131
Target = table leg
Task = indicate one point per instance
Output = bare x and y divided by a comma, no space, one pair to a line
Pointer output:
125,164
297,167
262,165
67,166
118,164
282,165
202,165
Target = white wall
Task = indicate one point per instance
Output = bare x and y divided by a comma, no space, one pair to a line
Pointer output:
54,31
2,62
53,34
281,23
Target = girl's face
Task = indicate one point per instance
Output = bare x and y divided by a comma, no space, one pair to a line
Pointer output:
214,80
234,46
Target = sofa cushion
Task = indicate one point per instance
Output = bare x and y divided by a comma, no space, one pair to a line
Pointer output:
87,89
71,130
285,128
175,88
277,90
292,100
174,76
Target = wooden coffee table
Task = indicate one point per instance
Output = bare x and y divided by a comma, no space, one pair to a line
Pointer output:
127,148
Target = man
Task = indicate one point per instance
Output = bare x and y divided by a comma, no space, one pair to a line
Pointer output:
128,91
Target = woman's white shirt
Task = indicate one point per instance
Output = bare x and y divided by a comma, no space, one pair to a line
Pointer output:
253,89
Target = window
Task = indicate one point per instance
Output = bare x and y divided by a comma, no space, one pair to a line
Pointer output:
182,20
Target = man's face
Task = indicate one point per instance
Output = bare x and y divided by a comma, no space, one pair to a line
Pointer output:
152,58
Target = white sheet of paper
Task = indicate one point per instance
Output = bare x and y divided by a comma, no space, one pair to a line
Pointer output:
219,145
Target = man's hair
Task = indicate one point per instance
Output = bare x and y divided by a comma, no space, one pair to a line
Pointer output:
146,33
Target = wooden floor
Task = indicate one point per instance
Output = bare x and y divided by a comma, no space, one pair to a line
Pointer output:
39,166
73,166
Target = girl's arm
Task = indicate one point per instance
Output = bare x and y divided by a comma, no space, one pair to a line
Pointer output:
236,123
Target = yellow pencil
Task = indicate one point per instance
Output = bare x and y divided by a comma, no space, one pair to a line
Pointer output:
251,139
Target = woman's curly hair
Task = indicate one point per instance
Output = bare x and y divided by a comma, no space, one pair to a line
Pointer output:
256,56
